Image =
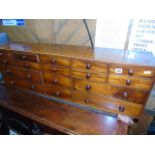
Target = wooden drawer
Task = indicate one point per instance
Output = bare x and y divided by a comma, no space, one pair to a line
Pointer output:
57,91
28,65
128,94
89,76
50,78
5,58
133,82
108,104
10,81
92,66
56,69
132,70
26,57
54,60
23,74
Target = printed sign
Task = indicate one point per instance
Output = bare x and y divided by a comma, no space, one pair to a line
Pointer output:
13,22
118,70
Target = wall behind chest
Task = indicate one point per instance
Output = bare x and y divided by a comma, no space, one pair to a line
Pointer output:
60,31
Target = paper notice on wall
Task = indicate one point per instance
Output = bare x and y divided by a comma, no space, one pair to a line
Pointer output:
143,36
111,33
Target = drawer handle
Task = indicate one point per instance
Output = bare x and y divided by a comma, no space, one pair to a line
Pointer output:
88,87
88,75
12,82
33,87
130,72
4,61
1,54
29,76
87,100
24,57
128,82
55,81
121,108
125,94
8,71
53,61
88,66
26,65
54,69
57,93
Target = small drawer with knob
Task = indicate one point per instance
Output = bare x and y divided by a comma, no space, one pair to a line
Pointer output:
59,80
23,84
89,76
23,74
54,60
26,57
59,70
107,104
131,70
133,82
58,91
88,65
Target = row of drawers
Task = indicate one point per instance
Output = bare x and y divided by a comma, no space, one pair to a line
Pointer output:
108,104
52,62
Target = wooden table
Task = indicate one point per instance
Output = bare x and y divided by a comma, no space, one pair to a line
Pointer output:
61,117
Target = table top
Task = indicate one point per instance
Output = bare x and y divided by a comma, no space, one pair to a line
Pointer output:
62,117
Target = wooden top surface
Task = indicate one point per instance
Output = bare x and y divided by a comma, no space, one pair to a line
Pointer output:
62,117
100,54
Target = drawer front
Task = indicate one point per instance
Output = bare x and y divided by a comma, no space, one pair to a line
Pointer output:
57,80
28,65
13,82
108,104
132,70
84,65
54,60
127,94
26,57
6,58
23,74
56,69
57,91
90,76
133,82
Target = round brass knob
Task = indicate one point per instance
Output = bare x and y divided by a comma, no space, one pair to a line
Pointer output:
55,81
128,82
12,82
57,93
53,61
33,87
24,57
26,65
130,72
29,76
88,66
88,75
121,108
87,100
54,69
8,71
88,87
125,94
4,61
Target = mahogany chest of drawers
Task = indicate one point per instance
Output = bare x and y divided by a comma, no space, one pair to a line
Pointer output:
109,80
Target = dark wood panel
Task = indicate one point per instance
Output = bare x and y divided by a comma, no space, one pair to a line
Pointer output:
107,89
132,82
54,60
22,84
90,76
92,66
108,104
132,70
54,79
24,74
57,91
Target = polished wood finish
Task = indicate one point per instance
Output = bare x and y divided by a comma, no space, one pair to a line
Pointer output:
125,76
61,117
